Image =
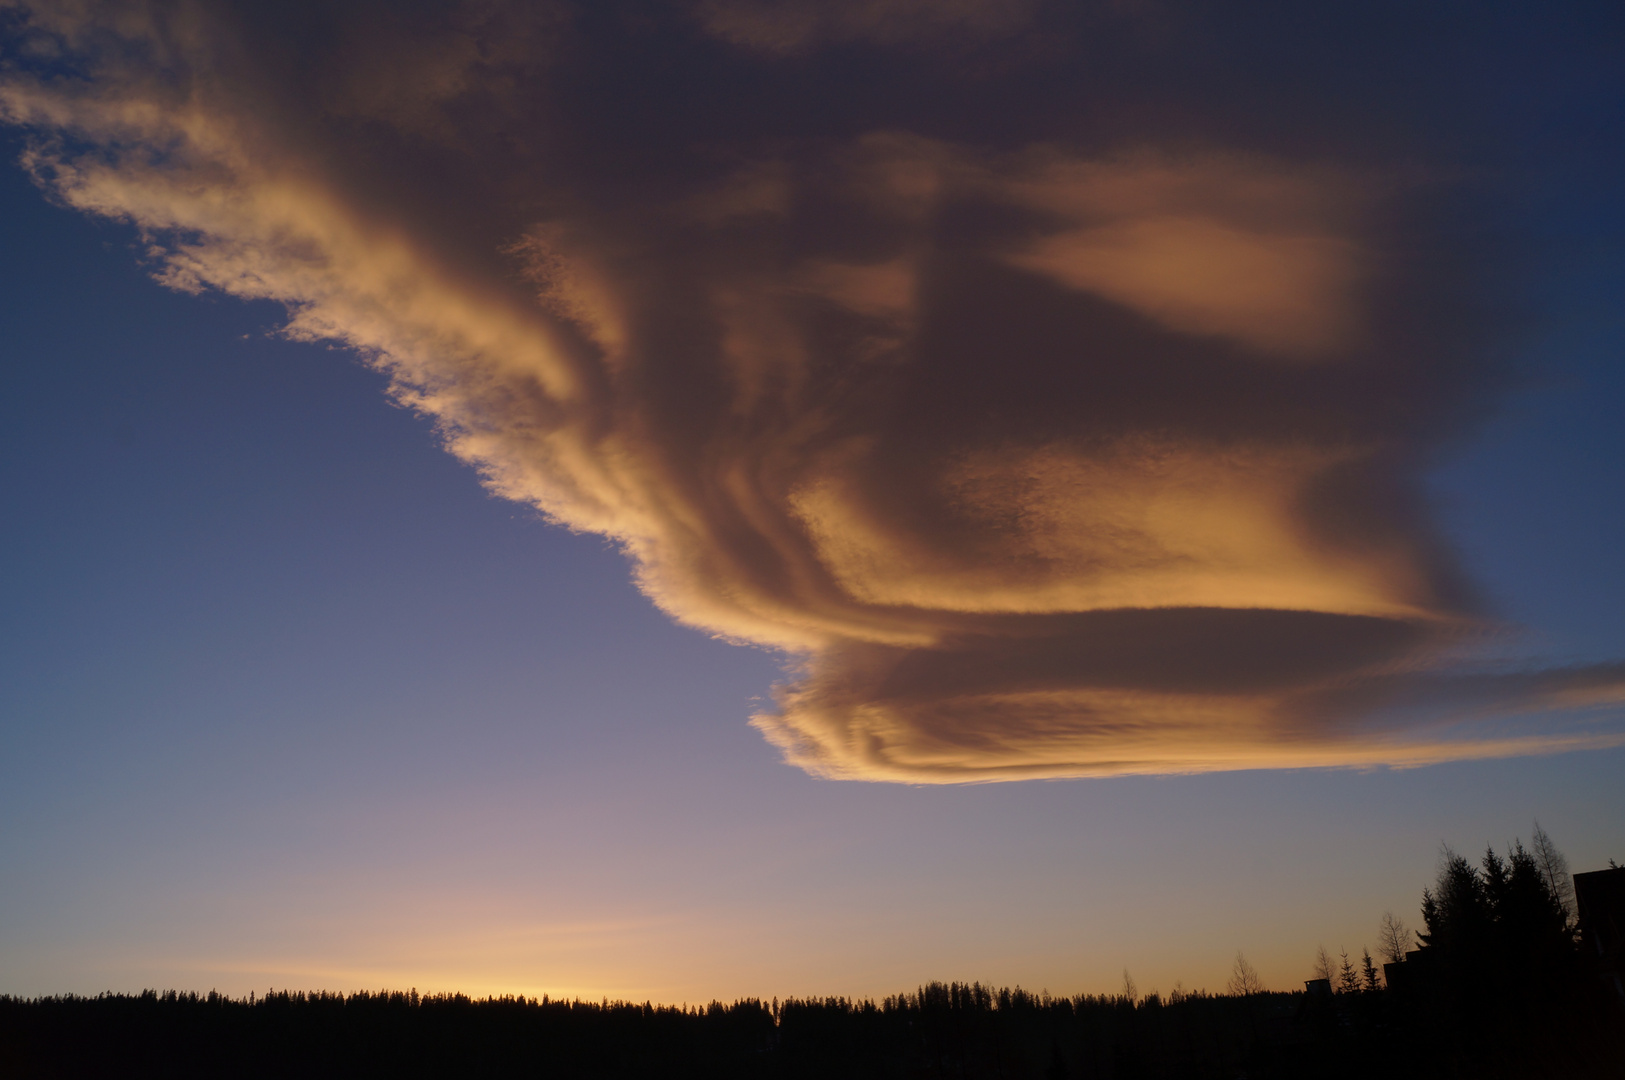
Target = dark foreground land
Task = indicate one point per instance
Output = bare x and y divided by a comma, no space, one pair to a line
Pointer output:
1520,974
942,1031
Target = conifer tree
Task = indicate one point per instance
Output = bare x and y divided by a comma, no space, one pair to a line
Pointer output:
1495,872
1369,970
1347,981
1455,912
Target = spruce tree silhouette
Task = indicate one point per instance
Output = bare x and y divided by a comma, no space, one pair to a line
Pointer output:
1499,954
1368,971
1347,981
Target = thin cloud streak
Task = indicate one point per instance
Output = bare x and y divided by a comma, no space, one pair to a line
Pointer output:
1038,460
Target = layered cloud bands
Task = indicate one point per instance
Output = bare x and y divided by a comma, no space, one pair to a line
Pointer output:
1040,452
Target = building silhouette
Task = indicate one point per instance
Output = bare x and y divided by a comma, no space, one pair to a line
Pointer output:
1599,897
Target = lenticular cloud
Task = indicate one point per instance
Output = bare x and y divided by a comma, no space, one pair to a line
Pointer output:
1041,443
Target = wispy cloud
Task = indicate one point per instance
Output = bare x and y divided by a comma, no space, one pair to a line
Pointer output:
1045,456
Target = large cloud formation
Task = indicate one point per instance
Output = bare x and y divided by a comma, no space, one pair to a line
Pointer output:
1050,383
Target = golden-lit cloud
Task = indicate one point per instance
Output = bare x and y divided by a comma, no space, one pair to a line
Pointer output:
1037,459
1220,247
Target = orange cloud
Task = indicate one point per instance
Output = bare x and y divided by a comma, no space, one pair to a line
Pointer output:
1035,462
1221,246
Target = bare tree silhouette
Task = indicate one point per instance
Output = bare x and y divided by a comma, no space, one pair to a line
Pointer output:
1323,966
1244,980
1554,868
1394,938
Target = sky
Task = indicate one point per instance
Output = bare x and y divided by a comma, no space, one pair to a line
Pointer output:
678,501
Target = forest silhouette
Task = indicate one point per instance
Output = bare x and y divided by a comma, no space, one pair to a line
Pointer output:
1515,973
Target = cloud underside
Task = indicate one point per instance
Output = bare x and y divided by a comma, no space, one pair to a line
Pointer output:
1035,460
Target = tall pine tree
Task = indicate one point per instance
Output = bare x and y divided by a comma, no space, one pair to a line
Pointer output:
1368,970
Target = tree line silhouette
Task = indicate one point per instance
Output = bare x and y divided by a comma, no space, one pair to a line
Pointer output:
1498,986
